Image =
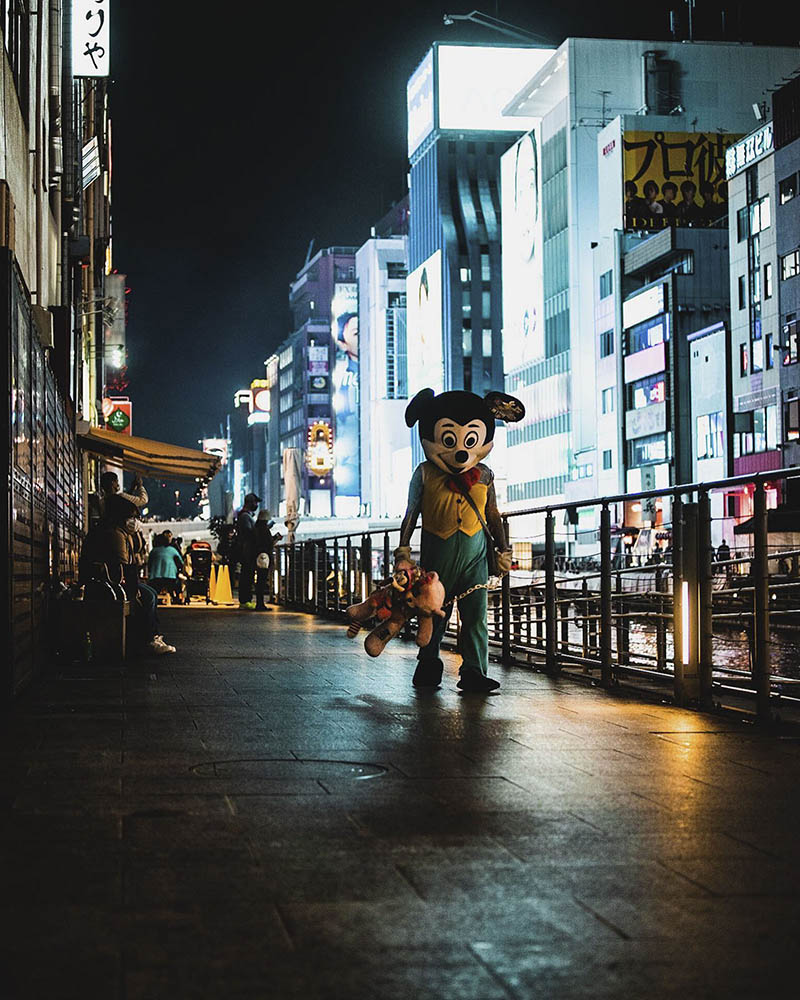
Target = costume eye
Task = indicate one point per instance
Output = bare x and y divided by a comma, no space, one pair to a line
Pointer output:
449,440
471,439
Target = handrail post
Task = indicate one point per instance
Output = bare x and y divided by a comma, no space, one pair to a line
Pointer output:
705,597
323,574
760,572
661,624
387,558
505,597
348,564
687,611
585,623
606,621
337,604
551,622
366,566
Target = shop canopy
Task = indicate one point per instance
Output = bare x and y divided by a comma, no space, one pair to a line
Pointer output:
150,458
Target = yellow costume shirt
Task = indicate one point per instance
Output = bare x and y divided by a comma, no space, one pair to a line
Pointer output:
446,511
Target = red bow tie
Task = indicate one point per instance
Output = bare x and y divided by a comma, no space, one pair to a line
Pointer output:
464,481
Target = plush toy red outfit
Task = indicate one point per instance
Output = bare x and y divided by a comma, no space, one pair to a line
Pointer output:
411,592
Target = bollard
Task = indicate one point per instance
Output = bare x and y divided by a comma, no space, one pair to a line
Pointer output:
687,608
705,554
760,574
606,672
551,623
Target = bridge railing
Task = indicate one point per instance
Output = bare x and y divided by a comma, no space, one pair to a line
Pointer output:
686,585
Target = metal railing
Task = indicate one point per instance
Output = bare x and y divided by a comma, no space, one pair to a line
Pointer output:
672,612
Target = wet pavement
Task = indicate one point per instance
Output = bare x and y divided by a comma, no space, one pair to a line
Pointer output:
271,814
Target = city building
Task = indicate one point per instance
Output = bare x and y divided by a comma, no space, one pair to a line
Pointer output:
55,255
456,136
631,139
786,123
381,270
318,385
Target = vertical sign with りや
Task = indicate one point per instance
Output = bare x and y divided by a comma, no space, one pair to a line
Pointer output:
91,38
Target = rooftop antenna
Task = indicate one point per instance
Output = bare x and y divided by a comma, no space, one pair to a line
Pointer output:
308,252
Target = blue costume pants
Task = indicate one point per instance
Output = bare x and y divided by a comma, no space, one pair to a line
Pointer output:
460,561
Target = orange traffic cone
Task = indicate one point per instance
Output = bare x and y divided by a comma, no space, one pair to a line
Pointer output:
223,592
212,585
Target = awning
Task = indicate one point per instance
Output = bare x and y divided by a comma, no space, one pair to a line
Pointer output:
150,458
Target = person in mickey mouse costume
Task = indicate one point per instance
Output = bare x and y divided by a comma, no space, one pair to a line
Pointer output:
454,492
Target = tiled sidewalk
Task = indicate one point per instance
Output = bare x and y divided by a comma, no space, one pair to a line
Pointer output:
270,814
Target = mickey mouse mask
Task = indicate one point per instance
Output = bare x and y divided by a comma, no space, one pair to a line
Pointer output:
457,428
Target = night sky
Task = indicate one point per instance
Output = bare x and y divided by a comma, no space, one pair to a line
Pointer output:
242,133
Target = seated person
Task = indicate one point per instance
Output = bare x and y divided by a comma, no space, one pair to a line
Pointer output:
163,567
109,542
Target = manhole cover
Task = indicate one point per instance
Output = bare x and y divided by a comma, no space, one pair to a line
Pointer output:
288,767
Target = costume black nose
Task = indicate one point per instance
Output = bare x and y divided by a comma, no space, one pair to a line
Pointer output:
461,456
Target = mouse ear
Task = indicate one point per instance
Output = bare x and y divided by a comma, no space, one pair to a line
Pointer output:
418,405
504,407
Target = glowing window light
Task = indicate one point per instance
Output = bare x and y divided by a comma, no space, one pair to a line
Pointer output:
685,621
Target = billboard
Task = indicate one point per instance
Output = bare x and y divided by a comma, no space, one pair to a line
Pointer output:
319,447
425,358
218,447
476,82
118,413
675,178
419,101
344,382
523,274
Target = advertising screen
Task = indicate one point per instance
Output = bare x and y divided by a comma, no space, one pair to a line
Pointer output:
419,100
523,275
475,83
674,178
344,382
425,359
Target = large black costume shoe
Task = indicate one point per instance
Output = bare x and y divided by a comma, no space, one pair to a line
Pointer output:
473,680
428,673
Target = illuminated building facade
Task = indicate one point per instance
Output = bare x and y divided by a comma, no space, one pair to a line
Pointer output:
381,270
456,135
615,118
318,384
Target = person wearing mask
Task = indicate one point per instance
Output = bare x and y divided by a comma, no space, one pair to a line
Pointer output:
246,544
265,556
109,542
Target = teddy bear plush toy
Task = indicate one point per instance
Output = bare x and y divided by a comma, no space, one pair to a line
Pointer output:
411,592
454,492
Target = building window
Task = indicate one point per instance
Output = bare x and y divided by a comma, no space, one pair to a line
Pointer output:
742,227
646,391
769,351
742,291
787,188
396,269
650,450
790,265
607,459
606,343
760,215
756,355
768,281
744,359
648,334
606,284
710,443
792,420
607,400
789,347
